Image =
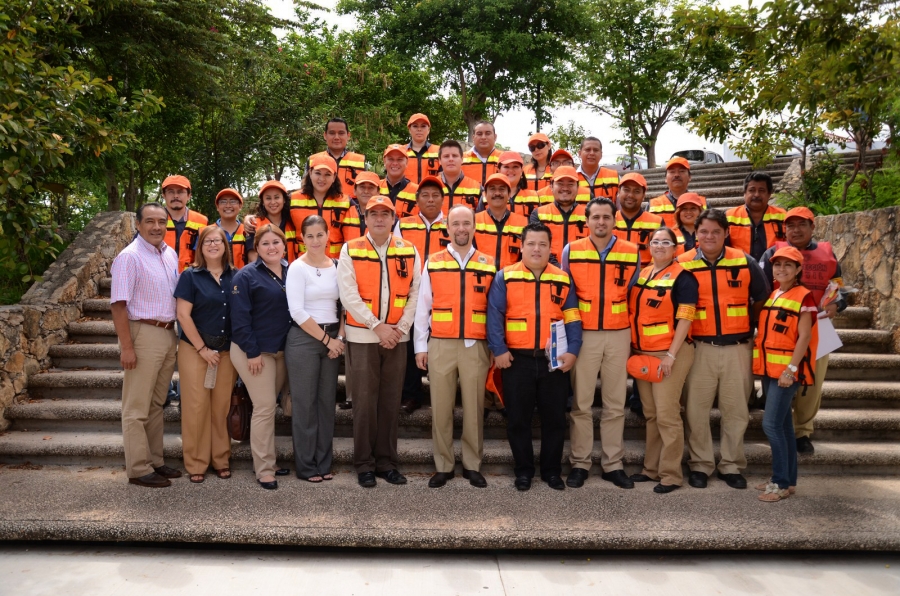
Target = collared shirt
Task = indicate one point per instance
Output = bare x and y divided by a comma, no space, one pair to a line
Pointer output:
428,224
426,299
260,318
144,277
211,300
353,303
587,176
228,234
394,189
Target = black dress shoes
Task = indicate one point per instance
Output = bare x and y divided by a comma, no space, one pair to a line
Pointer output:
640,478
345,405
282,472
664,488
698,479
167,472
576,478
366,479
439,479
151,480
268,485
523,483
409,406
392,476
733,480
619,478
475,478
804,445
556,483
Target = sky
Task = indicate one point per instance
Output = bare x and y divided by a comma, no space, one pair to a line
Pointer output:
510,125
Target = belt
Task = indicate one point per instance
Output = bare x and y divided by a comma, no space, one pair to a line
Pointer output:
328,327
722,344
529,353
168,325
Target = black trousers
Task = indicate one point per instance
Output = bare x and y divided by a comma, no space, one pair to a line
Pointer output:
526,383
412,381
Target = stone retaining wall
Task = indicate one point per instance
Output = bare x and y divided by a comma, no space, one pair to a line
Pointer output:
28,329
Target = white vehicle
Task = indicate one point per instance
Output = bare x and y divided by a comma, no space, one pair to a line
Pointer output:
623,163
698,156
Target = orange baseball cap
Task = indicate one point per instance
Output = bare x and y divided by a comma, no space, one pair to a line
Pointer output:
565,172
395,148
380,201
501,178
678,161
801,212
644,367
633,177
511,157
432,181
321,160
229,192
272,184
176,181
367,176
538,136
788,252
689,198
561,154
418,118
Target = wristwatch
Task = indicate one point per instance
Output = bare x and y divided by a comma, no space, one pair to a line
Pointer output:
341,339
792,368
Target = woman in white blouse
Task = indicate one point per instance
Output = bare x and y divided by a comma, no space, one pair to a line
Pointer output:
315,343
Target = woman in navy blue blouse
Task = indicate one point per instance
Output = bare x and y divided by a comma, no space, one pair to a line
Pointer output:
260,323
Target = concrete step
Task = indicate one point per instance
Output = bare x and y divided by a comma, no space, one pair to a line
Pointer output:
865,341
416,455
86,355
96,308
854,317
712,177
868,367
92,332
860,394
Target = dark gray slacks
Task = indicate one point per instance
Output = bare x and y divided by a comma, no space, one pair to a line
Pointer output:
313,380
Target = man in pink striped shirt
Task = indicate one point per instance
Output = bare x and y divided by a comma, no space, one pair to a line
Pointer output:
143,310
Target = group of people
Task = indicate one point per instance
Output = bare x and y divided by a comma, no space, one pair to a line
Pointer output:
533,281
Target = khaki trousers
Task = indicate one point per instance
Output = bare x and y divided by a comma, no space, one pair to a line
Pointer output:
606,353
263,389
807,406
143,395
204,412
662,408
447,358
726,370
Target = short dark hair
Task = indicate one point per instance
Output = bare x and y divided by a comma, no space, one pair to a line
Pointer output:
449,143
139,213
537,227
586,139
713,215
488,122
339,121
669,232
313,220
759,177
596,202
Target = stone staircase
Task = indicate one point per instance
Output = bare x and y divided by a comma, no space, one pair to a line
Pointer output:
73,412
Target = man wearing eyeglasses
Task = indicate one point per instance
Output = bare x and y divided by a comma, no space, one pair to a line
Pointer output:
228,204
733,289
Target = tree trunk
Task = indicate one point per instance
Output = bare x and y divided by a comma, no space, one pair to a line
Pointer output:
114,202
130,192
650,149
537,109
471,120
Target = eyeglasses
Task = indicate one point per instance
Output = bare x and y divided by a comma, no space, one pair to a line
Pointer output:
212,242
662,243
536,146
229,202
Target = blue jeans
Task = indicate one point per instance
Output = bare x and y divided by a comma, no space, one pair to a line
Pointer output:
779,428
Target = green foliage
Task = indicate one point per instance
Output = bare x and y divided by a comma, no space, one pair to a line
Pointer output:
816,183
568,136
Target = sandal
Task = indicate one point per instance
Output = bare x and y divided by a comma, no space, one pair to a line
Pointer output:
224,473
197,478
761,487
314,479
328,476
774,494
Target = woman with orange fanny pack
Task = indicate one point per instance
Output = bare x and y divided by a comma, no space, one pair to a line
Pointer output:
784,354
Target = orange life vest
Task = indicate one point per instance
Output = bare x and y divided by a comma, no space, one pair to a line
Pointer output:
562,230
238,247
606,184
478,170
400,260
332,210
602,286
186,247
405,203
740,226
290,236
535,183
459,305
777,337
819,268
724,304
531,305
419,166
348,166
665,208
526,201
653,309
352,222
639,233
505,246
426,241
467,192
679,241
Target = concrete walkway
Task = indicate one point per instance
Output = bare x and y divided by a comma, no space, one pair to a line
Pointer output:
97,504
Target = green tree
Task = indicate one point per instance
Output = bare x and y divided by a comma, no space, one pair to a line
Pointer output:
487,52
642,68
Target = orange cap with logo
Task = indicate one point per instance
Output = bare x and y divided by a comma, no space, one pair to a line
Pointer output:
511,157
395,148
499,179
320,160
689,198
802,212
644,367
538,137
561,154
367,176
418,118
678,161
565,172
432,181
634,177
788,252
229,192
272,184
176,181
380,201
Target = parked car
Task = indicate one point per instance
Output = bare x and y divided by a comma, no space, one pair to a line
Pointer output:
623,163
698,156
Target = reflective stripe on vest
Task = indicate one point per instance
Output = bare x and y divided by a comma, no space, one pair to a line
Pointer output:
413,229
740,227
186,242
478,170
400,259
417,167
332,211
639,233
724,292
602,287
653,310
505,247
405,203
664,207
819,268
776,339
459,297
563,230
531,305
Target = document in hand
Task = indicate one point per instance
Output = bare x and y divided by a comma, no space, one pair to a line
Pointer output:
557,344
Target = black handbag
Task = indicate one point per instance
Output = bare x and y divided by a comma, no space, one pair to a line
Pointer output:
217,343
240,413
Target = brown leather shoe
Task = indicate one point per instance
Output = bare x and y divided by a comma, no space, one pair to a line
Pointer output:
151,480
409,406
167,472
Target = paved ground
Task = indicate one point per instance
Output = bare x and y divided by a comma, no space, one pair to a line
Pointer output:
97,504
113,570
